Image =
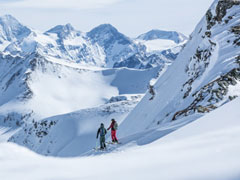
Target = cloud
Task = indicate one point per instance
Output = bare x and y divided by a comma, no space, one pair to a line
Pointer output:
56,4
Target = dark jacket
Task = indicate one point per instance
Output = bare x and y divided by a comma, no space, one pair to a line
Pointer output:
99,130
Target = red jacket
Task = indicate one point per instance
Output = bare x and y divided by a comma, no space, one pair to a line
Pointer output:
112,126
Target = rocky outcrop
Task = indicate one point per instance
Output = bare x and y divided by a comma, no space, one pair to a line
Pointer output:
208,97
220,12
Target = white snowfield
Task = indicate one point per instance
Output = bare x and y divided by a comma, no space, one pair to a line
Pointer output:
206,149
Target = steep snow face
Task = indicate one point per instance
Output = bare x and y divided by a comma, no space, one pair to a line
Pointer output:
205,75
11,30
211,142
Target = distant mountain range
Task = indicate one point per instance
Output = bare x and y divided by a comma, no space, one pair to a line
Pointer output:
103,46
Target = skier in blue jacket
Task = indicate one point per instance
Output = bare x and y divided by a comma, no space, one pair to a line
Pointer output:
102,132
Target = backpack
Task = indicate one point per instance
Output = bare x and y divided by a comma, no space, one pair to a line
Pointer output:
115,126
102,131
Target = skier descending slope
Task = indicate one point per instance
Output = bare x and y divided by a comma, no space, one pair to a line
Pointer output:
102,131
113,127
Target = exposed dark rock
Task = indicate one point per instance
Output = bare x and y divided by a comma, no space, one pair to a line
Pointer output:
197,66
236,31
221,11
210,20
208,34
211,94
223,6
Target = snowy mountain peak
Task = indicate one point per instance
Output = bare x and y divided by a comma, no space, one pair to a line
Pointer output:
106,35
62,30
7,18
160,34
11,28
104,28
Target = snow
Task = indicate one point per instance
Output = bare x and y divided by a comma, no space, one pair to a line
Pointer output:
170,88
72,134
60,99
234,90
4,45
71,90
66,94
158,44
77,90
205,149
6,133
157,41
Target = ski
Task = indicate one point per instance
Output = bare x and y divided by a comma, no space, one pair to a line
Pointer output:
99,149
113,142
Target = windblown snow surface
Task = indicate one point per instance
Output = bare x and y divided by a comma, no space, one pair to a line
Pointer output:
205,149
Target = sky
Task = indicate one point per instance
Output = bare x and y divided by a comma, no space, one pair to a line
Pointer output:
131,17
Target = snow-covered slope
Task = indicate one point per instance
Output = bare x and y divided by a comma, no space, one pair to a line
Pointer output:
73,134
34,81
205,75
205,149
34,88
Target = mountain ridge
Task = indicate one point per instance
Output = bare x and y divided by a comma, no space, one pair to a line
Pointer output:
103,46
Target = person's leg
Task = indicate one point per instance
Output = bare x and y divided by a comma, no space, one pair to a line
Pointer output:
101,142
105,143
112,135
115,137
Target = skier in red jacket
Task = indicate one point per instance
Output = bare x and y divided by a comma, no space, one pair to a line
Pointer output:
113,127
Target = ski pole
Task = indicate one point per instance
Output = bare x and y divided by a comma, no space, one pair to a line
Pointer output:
96,143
